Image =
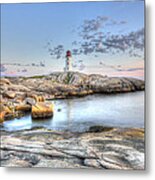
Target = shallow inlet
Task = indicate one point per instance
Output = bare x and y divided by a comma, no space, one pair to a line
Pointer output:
78,114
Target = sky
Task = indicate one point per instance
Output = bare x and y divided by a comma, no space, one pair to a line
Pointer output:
104,37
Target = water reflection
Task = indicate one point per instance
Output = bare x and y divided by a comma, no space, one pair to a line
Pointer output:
78,114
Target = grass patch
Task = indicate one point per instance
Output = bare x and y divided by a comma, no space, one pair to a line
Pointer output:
68,78
34,77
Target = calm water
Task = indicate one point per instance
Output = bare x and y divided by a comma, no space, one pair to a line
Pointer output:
122,110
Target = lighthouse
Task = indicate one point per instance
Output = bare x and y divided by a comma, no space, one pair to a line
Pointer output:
68,64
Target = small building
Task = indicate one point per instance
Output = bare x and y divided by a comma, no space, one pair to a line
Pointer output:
68,63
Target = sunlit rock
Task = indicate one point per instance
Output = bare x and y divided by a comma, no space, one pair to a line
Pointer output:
42,110
6,112
23,107
9,94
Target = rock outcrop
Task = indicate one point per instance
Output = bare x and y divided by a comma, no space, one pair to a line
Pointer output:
66,83
42,110
23,92
5,112
106,148
99,147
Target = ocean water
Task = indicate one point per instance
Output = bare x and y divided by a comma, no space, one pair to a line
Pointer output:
78,114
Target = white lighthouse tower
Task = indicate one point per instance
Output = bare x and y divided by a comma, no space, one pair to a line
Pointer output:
68,63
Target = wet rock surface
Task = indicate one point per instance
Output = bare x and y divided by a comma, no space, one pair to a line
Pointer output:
109,148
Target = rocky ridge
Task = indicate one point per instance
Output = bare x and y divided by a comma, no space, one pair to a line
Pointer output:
19,94
100,147
106,148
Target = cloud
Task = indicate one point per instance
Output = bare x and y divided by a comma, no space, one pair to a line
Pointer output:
93,24
114,22
24,70
56,51
120,68
40,64
95,39
131,43
74,43
130,69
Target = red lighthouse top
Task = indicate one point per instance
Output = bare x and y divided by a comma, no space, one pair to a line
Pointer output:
68,54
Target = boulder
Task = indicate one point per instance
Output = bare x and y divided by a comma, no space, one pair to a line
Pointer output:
9,94
4,81
99,129
1,98
2,114
30,101
34,98
42,110
5,112
23,107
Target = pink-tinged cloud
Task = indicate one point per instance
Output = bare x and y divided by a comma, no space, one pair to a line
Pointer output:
136,74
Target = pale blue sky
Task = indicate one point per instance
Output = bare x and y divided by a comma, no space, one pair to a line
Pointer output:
26,29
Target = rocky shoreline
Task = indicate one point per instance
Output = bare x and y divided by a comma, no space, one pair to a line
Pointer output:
20,94
98,148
